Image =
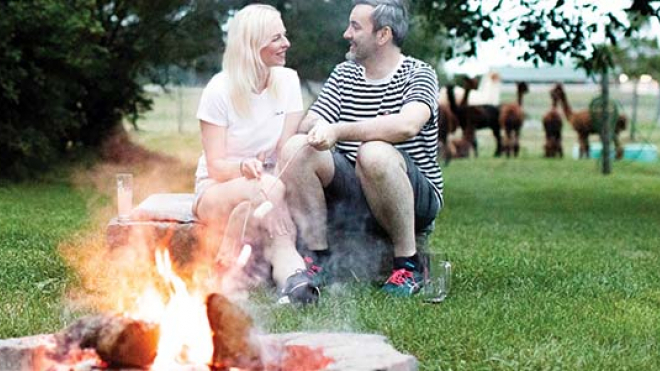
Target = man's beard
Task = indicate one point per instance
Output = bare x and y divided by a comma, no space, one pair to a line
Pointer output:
350,56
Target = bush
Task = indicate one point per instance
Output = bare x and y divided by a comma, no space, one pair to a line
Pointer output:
70,69
44,49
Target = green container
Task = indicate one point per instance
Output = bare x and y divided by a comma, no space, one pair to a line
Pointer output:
642,152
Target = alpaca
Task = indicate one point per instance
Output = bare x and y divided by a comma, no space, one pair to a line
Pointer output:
581,122
473,118
457,148
447,124
488,92
552,124
460,148
511,120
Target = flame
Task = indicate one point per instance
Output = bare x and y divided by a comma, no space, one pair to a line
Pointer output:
185,334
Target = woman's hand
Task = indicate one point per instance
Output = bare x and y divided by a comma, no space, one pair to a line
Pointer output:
252,168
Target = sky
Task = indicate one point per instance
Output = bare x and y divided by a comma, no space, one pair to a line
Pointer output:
499,52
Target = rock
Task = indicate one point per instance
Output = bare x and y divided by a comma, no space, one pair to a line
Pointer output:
348,351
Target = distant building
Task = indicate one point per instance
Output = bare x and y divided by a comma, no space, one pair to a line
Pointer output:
542,75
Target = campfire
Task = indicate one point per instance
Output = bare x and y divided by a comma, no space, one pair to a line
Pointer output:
181,313
174,326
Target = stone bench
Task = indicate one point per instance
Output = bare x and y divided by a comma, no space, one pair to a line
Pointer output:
162,219
166,220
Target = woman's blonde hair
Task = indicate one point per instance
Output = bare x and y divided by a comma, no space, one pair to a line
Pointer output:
247,35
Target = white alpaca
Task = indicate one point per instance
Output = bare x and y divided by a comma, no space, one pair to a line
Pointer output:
488,92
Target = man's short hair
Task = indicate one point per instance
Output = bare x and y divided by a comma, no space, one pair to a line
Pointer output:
389,13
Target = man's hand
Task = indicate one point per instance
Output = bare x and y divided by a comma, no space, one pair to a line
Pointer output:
322,136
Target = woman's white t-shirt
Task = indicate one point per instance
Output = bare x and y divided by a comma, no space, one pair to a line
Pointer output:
257,133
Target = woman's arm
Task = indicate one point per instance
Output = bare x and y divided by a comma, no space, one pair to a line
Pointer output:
291,123
213,141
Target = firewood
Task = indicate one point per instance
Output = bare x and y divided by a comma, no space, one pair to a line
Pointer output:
231,327
119,341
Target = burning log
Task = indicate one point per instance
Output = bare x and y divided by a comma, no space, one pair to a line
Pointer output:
231,327
118,341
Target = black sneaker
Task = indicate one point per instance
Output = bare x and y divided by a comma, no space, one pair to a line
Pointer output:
299,289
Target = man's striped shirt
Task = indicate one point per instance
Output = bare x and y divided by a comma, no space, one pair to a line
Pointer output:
348,96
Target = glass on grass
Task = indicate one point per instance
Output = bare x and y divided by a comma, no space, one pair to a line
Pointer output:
124,196
438,282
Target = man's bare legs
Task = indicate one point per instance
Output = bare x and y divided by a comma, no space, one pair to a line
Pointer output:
382,173
305,178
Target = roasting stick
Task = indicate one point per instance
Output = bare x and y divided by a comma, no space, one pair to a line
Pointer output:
265,207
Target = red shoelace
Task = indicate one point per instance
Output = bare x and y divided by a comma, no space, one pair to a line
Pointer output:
399,277
312,267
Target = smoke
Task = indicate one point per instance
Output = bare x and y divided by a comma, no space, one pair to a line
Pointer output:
107,279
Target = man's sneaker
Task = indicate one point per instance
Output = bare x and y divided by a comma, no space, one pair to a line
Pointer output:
299,289
317,272
403,282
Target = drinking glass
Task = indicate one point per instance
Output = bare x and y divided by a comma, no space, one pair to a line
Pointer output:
124,196
438,280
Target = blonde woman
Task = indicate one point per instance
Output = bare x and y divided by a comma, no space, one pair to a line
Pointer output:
246,113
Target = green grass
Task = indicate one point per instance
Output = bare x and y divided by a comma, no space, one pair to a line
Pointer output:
34,218
555,267
554,264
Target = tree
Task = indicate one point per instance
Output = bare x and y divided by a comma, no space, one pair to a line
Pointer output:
637,57
71,69
43,51
315,28
548,32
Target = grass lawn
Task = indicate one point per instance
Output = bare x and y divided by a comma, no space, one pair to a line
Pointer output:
555,266
34,219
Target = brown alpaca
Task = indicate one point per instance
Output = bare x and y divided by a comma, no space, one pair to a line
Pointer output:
581,122
552,124
511,121
447,124
460,148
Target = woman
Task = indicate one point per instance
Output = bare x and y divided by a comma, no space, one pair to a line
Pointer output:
246,113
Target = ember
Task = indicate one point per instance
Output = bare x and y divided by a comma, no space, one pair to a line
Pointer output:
302,358
279,352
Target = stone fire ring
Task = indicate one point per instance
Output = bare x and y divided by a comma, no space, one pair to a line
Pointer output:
350,351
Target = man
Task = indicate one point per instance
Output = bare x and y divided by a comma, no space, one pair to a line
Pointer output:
378,111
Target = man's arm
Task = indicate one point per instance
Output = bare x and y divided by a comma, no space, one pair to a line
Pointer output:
394,128
311,119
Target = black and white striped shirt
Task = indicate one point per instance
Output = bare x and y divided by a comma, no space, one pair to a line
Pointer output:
348,96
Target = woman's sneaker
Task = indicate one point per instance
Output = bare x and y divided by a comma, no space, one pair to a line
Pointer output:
299,289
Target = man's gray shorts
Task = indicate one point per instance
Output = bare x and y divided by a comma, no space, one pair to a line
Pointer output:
348,209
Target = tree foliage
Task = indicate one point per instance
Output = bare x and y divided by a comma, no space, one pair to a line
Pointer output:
45,53
70,68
